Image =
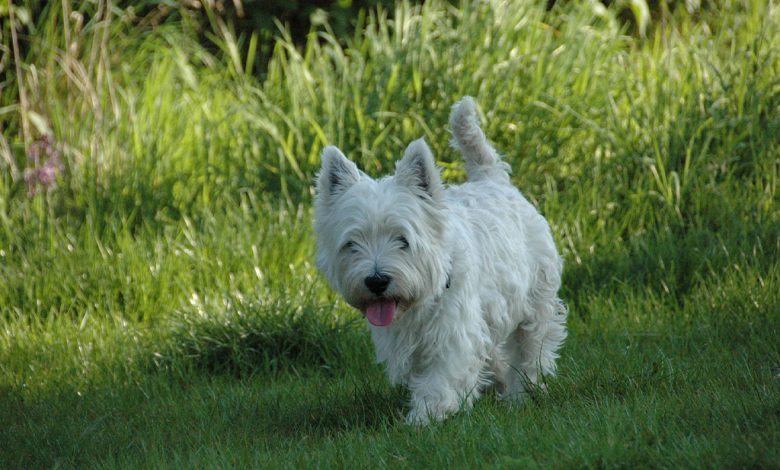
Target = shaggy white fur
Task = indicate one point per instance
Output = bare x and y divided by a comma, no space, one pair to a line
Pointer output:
459,283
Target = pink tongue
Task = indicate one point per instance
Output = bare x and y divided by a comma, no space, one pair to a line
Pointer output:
381,313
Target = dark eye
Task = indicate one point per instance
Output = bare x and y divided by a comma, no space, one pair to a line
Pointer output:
403,241
350,245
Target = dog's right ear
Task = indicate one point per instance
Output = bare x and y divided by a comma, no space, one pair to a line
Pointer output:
417,171
337,174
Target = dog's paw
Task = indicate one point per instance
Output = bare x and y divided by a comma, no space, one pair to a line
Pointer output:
415,418
424,415
421,417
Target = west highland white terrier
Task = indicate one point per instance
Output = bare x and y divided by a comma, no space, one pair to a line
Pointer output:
459,283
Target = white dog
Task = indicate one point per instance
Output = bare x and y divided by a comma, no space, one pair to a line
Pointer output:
459,283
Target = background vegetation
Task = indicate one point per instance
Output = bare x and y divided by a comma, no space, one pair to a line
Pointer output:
158,303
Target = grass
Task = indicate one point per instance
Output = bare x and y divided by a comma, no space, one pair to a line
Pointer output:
159,306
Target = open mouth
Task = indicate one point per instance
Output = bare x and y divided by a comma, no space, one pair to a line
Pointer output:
380,312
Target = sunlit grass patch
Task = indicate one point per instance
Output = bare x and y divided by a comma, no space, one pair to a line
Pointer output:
240,337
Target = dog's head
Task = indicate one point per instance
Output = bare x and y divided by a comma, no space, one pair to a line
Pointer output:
381,242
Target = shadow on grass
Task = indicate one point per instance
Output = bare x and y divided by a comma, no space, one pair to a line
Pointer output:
341,405
162,414
246,377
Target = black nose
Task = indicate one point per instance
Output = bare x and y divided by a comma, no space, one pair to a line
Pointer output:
377,283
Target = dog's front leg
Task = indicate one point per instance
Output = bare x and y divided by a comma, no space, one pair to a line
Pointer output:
441,390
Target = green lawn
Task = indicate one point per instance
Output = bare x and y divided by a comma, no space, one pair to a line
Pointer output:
159,306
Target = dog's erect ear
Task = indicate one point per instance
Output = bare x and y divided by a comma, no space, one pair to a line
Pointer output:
417,170
336,175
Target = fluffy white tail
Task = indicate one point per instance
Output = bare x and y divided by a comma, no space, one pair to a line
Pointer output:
482,160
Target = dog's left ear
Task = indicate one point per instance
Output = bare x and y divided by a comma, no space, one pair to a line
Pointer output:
418,172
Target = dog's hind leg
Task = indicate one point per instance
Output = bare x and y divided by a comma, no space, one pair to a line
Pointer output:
532,348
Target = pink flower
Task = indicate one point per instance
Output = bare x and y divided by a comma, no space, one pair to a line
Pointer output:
43,165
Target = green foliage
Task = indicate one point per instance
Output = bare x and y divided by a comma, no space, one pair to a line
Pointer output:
159,305
239,337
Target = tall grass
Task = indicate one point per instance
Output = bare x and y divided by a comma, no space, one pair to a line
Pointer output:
172,261
617,139
160,111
